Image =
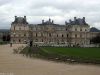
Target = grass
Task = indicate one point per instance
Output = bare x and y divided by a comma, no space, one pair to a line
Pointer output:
76,52
80,55
3,42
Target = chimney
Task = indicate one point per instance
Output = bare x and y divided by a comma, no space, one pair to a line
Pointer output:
49,20
25,18
70,21
66,23
15,17
42,21
84,18
52,22
74,18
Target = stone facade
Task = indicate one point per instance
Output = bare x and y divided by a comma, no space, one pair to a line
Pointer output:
48,33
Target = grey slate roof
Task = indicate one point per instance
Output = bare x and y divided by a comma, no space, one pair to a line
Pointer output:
93,29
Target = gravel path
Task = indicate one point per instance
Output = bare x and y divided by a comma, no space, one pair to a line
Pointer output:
15,64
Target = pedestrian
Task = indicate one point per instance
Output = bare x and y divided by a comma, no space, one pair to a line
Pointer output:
11,44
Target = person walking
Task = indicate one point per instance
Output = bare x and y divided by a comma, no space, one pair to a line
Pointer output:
10,44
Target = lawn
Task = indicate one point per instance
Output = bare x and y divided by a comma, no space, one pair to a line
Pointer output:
76,52
84,55
3,42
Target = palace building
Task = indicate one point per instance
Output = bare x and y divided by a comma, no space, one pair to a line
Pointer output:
74,32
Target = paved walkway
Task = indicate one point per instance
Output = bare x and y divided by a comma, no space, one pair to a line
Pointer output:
15,64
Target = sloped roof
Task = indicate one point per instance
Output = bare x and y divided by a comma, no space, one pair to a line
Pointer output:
93,29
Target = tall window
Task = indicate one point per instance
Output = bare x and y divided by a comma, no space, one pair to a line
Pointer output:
67,35
62,35
36,34
42,40
24,34
57,35
19,40
75,35
80,29
49,34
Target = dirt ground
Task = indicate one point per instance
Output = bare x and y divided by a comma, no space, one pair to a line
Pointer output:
15,64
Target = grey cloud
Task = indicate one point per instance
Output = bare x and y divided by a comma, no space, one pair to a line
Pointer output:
59,10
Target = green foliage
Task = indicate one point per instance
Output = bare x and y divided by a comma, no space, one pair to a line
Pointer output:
95,40
3,42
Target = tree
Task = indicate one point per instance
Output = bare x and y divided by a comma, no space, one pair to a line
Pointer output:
95,40
8,38
4,38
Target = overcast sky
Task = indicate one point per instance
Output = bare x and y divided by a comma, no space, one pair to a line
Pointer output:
58,10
